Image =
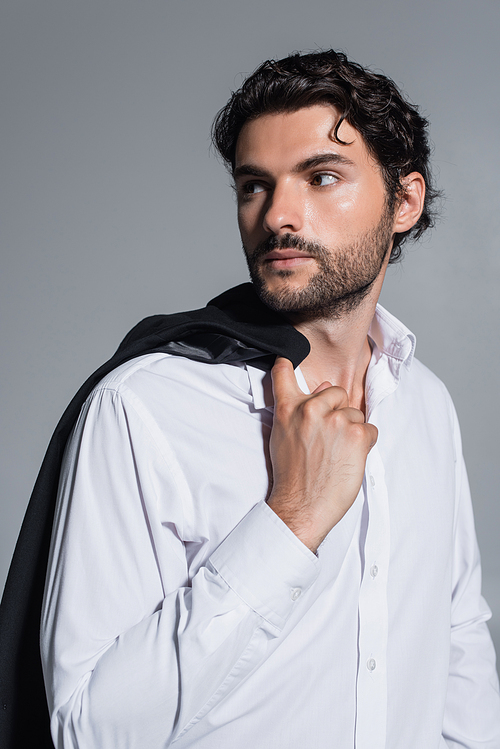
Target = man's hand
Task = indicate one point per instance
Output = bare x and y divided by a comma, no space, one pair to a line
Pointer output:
318,450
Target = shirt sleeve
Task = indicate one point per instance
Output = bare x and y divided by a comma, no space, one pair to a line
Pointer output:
134,650
472,713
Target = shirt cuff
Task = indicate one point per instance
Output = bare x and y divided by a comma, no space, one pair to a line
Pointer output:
264,562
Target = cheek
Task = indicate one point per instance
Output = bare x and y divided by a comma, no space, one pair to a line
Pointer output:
249,218
350,212
371,202
246,236
242,220
333,215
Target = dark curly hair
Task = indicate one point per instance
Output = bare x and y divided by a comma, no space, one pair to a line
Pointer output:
393,130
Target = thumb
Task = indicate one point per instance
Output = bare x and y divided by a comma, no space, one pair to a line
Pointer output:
284,380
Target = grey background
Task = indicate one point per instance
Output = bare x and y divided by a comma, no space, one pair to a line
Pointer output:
112,207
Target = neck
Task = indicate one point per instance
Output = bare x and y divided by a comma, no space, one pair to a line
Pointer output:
340,349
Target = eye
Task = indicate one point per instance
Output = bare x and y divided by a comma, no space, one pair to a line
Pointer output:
323,179
251,188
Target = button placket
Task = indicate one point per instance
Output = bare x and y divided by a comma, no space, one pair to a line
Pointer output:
372,678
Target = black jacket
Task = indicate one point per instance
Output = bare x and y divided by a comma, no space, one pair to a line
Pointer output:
234,326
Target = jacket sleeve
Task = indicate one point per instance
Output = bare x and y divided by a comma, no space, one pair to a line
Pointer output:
472,714
136,644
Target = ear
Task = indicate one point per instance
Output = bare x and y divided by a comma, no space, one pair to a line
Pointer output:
411,202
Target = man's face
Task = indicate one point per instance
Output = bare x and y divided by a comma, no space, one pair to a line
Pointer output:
312,213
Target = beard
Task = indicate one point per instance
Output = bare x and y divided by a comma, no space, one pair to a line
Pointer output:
344,277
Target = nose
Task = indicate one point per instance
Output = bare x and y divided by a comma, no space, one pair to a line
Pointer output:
284,212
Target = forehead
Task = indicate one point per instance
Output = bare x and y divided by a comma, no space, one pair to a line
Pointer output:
291,137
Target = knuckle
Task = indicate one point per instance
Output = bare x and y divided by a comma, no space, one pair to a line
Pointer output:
340,390
341,393
309,407
358,433
338,419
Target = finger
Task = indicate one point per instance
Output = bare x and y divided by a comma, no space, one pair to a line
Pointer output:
284,380
354,415
324,385
373,434
333,397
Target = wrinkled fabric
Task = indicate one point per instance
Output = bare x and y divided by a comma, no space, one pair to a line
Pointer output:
180,610
238,315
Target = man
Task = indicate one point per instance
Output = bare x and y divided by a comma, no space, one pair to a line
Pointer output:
242,558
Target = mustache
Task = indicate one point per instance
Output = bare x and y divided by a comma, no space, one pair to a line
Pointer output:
289,241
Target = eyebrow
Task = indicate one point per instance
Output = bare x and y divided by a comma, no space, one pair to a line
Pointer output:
321,159
310,163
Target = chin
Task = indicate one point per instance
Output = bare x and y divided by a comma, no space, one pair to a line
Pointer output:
311,301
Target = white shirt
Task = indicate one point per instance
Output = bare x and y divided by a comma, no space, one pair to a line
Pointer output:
180,610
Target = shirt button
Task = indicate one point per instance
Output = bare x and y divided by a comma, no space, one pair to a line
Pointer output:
371,664
295,593
374,570
372,480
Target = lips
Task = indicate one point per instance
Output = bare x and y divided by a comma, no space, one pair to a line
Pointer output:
286,255
285,259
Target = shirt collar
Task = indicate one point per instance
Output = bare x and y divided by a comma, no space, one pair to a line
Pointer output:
391,337
391,341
